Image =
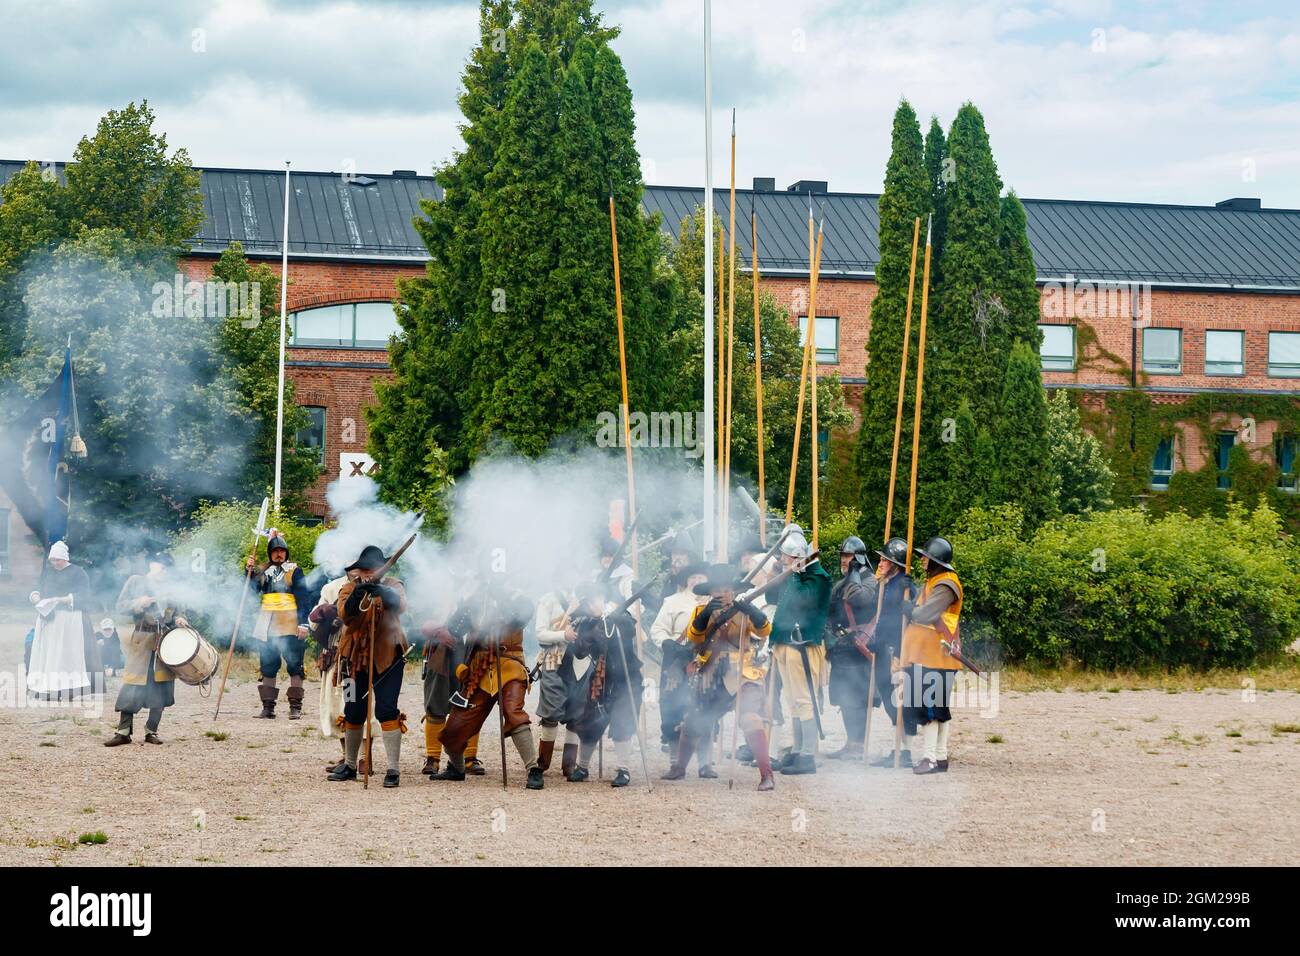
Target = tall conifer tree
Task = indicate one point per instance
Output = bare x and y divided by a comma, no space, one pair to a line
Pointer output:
906,196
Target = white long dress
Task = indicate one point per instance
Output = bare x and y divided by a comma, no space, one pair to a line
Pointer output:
58,666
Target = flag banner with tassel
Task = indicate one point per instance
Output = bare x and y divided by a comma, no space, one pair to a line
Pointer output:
38,444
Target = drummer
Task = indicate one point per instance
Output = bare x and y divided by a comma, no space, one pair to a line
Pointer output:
147,683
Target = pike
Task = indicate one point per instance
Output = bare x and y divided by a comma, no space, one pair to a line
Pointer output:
758,374
809,353
259,530
902,381
622,365
731,349
916,449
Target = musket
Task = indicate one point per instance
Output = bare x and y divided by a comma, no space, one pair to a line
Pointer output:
671,534
767,557
955,653
726,613
622,550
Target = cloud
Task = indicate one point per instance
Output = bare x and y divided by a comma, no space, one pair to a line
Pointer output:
1160,100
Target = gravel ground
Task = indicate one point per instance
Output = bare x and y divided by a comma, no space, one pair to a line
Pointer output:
1065,778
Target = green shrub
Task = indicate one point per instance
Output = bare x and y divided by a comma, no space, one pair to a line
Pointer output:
223,532
1121,589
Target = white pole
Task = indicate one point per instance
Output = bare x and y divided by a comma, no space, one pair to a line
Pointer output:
709,477
284,302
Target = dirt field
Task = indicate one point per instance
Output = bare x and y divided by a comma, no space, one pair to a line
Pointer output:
1064,778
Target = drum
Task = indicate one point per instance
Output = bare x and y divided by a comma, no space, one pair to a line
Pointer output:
188,655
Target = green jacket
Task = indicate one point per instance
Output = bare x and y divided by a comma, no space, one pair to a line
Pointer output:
805,601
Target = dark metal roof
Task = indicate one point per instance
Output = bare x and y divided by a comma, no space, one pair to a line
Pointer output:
336,217
1101,241
359,216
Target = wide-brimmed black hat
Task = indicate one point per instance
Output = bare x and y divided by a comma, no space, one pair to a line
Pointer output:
938,550
895,550
162,557
372,557
719,576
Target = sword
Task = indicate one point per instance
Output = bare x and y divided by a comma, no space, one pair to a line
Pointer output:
955,652
807,673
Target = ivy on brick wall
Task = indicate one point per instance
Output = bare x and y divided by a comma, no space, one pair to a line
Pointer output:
1130,425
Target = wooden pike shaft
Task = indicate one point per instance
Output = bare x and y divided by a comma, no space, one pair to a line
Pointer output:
622,367
803,379
721,381
916,417
902,382
731,348
758,382
812,375
239,616
375,610
809,355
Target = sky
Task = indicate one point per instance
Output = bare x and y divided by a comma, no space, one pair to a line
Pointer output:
1141,101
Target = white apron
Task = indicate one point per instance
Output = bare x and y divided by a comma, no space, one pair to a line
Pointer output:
58,663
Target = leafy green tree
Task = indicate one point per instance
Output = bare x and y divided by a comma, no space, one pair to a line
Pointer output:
250,344
1084,475
906,197
120,178
164,423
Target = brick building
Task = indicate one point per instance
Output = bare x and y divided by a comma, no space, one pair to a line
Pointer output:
1216,307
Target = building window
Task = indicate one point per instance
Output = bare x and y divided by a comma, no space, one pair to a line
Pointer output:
1162,351
313,436
828,337
1225,353
1162,464
1057,350
1223,456
360,325
1284,354
1284,447
4,543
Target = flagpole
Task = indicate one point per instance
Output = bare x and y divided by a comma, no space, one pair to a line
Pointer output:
284,303
709,477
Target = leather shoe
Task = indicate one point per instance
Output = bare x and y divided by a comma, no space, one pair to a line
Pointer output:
392,778
117,740
621,779
343,773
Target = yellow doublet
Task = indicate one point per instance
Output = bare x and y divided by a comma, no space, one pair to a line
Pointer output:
921,641
739,631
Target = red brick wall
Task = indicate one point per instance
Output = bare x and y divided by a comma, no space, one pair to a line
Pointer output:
1194,313
342,392
848,299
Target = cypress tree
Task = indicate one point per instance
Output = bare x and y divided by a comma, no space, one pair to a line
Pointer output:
936,152
967,317
422,409
519,251
1020,294
1027,475
511,332
906,196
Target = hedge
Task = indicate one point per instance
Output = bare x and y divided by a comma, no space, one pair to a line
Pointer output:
1124,589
